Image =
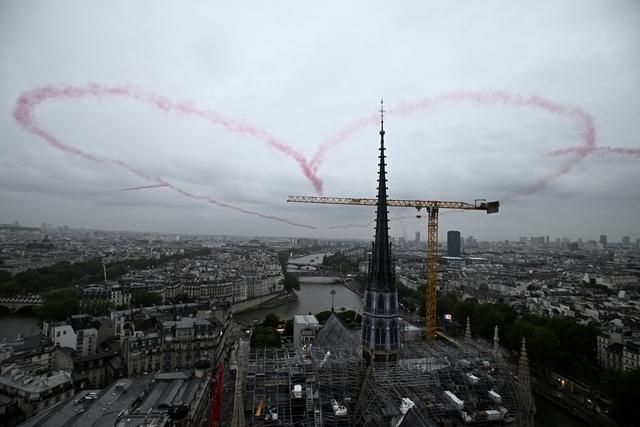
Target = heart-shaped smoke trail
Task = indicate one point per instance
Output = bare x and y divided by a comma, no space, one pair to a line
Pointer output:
581,118
27,102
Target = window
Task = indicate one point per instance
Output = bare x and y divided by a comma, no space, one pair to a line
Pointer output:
58,333
380,307
368,307
366,330
393,335
380,335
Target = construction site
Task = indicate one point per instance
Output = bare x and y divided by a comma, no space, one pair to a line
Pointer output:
369,376
449,383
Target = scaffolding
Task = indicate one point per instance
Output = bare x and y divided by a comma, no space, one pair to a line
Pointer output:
474,371
331,385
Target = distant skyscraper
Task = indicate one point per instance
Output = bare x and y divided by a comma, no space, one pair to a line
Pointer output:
470,242
453,243
417,237
626,240
603,241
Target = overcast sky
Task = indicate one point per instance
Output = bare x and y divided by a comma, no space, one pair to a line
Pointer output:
302,71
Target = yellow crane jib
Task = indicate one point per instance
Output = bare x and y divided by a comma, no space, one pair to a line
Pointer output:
432,207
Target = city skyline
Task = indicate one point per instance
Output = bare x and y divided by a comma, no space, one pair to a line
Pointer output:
260,75
442,235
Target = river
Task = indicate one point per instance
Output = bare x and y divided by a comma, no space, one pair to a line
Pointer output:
11,325
313,298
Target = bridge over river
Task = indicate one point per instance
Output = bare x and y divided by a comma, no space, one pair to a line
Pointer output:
15,304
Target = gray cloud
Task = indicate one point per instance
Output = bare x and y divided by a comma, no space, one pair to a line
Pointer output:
302,72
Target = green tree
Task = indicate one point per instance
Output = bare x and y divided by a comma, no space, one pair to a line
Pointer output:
624,389
485,318
59,305
542,343
271,321
142,298
10,288
446,304
5,276
264,336
340,262
291,282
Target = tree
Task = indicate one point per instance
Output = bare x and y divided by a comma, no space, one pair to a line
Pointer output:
341,262
271,321
264,336
9,288
59,305
485,318
624,389
283,257
142,298
5,276
291,282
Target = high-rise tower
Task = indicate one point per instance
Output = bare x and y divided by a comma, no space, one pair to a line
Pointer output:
453,243
380,327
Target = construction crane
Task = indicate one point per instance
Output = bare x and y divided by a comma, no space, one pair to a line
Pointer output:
432,207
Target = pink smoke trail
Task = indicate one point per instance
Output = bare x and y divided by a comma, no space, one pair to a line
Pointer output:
28,101
24,114
599,151
581,118
144,187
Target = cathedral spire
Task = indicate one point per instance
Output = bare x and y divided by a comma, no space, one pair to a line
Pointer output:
381,276
380,325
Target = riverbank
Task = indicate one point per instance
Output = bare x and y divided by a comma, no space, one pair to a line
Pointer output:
550,414
561,406
253,303
311,298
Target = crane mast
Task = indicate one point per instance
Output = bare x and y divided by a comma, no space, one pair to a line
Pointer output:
432,208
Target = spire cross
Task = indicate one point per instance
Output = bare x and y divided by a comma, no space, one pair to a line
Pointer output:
381,115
